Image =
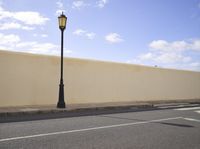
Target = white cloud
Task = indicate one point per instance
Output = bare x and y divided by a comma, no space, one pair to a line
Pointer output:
171,58
68,52
35,35
195,64
13,25
25,44
78,4
58,12
27,28
171,54
40,35
42,48
60,8
113,38
59,4
9,41
26,17
13,42
196,45
81,32
164,58
177,46
30,18
90,35
102,3
44,35
163,45
147,56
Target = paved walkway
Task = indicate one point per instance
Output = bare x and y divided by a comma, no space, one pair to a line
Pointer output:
34,112
69,108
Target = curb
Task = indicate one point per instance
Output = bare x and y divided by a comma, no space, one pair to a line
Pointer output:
55,110
38,114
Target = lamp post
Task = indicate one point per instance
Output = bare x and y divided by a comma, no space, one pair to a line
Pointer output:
62,20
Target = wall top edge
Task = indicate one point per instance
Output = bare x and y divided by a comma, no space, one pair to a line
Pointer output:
90,60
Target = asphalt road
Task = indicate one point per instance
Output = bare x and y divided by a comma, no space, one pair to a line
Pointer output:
177,128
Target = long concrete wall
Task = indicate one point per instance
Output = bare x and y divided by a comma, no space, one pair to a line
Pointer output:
27,79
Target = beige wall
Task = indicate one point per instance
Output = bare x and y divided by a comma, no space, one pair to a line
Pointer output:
27,79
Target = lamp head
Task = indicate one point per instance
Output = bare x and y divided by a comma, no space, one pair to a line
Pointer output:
62,20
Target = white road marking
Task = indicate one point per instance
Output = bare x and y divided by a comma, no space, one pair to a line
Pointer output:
88,129
197,111
185,109
174,106
177,106
191,119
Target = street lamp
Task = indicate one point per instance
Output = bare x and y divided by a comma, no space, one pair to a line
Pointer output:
62,20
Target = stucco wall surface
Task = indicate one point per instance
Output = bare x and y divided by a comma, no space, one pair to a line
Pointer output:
27,79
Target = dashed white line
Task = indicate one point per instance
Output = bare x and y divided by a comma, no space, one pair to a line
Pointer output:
87,129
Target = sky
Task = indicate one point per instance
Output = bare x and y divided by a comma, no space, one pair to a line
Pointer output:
161,33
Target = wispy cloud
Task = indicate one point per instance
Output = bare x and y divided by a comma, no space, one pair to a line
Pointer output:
78,4
90,35
40,35
44,35
79,32
68,52
101,3
84,33
60,7
59,4
113,38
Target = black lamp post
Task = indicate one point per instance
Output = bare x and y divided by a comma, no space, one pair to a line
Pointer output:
62,19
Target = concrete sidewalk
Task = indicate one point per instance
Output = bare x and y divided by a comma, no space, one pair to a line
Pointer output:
27,113
14,111
23,113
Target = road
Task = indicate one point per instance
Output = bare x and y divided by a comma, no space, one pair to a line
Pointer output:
176,128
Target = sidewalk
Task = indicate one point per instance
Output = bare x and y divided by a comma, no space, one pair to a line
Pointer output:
13,111
26,113
9,114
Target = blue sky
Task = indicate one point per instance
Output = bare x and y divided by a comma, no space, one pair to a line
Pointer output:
165,33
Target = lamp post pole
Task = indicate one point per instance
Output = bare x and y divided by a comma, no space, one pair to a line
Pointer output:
62,24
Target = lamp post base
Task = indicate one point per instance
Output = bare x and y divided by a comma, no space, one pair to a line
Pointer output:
61,102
